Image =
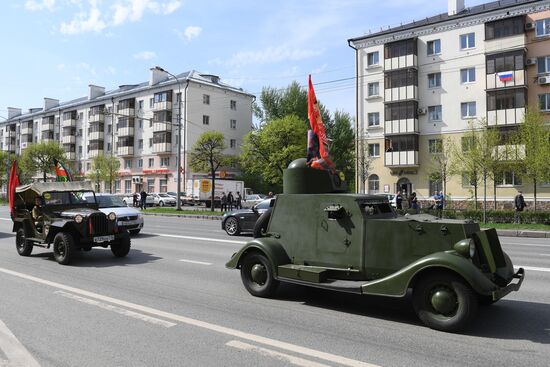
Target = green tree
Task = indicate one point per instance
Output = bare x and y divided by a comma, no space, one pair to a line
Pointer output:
364,162
534,136
463,160
268,150
207,156
342,145
39,157
104,168
94,174
6,160
439,169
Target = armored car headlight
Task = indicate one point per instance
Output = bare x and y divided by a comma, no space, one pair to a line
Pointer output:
465,247
111,216
78,218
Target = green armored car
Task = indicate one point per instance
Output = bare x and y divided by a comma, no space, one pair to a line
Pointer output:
318,235
64,215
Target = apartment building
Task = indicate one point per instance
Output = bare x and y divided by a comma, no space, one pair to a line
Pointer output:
423,82
138,124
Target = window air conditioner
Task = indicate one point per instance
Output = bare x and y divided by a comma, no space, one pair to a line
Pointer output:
544,80
529,26
531,61
422,111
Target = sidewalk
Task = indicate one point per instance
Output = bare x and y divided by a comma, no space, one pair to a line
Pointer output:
501,232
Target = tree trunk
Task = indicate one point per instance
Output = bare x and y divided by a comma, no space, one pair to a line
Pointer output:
213,191
45,176
535,194
475,196
494,195
485,198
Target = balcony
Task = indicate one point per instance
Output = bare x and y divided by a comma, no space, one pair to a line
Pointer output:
126,151
47,125
510,116
98,117
161,127
126,131
407,61
401,159
505,43
161,106
518,80
70,156
401,93
68,123
407,126
26,131
96,135
95,152
162,148
68,139
126,112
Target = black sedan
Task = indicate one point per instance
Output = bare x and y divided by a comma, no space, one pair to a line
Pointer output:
243,220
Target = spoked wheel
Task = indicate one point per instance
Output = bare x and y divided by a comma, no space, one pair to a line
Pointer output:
232,226
444,302
161,203
24,247
63,248
257,275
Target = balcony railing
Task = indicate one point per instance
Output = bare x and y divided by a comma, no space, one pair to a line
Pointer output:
68,139
126,131
100,117
162,147
125,151
95,152
68,123
26,131
510,116
401,93
126,112
407,126
47,125
518,80
401,159
407,61
96,135
70,156
161,126
161,106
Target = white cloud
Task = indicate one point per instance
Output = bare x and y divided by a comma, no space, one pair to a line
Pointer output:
84,22
189,33
133,10
170,7
33,5
271,55
60,67
145,55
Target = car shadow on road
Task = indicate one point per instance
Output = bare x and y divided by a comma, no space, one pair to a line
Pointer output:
6,235
143,235
103,258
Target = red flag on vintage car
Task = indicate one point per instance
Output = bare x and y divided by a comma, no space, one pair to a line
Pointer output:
61,173
323,160
12,184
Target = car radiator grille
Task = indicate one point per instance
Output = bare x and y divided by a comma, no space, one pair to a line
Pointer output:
99,224
489,255
128,217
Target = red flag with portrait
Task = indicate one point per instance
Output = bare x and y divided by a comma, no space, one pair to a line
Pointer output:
322,159
12,184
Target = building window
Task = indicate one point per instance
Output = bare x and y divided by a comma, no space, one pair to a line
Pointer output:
543,27
165,96
505,99
117,187
504,28
434,80
508,61
127,163
140,104
544,102
508,179
232,143
434,47
81,116
151,102
151,185
205,99
374,118
80,149
205,120
140,123
400,48
374,184
178,97
435,113
127,186
373,58
401,111
140,144
435,187
467,143
468,109
468,180
165,161
151,122
373,89
88,166
150,142
140,163
467,41
435,146
400,78
374,150
233,105
163,185
468,75
108,147
543,64
232,124
151,162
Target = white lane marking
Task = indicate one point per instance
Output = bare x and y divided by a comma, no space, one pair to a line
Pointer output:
533,268
17,354
544,254
197,323
286,358
524,245
121,311
6,219
194,262
196,238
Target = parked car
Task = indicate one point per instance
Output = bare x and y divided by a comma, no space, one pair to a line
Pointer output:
185,199
251,200
127,217
391,198
163,199
68,221
356,243
243,220
129,200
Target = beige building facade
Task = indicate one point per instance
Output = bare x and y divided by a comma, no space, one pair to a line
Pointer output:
421,84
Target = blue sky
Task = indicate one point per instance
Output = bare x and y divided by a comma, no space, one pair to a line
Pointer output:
55,48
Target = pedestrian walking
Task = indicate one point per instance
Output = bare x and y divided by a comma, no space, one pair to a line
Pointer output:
238,201
270,195
136,199
143,203
414,203
399,201
230,200
223,202
519,204
439,203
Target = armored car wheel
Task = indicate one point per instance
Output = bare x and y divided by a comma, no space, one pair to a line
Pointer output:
122,248
444,302
257,275
24,247
232,226
63,247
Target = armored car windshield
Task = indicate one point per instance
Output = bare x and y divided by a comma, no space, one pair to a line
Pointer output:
69,198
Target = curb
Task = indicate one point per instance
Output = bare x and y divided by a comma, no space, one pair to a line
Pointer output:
501,232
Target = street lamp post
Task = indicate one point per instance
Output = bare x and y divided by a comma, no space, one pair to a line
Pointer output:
178,155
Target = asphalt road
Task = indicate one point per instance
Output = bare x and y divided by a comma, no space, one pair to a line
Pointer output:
171,302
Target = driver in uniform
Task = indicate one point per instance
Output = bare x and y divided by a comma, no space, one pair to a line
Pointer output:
37,214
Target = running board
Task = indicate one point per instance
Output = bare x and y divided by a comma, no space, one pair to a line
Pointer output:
347,286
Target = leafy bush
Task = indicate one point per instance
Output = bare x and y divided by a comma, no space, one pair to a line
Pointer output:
493,216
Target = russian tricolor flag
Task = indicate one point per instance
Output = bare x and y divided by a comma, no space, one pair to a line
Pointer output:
506,76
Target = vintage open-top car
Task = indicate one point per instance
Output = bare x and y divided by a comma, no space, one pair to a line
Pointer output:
69,220
320,236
